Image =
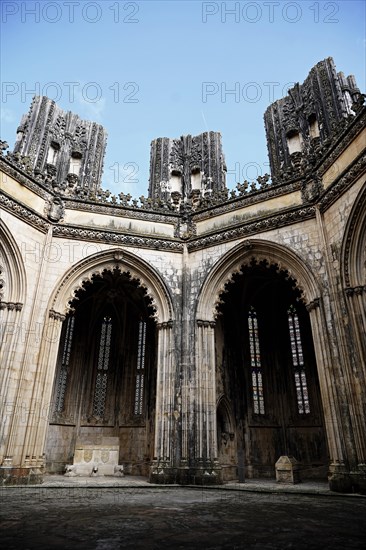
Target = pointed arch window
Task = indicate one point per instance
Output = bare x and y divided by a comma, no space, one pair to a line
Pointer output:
255,363
64,369
101,380
302,396
140,370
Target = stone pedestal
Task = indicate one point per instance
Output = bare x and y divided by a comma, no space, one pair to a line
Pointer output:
96,458
288,470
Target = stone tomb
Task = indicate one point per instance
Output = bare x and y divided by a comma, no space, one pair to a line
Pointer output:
288,470
96,458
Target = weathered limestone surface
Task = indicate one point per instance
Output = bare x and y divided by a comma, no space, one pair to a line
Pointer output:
165,322
288,470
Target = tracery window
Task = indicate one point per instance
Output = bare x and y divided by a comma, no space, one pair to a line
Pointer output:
101,380
64,369
302,395
255,363
140,370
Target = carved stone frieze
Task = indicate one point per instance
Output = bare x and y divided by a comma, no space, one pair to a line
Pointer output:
344,139
113,210
252,228
115,238
343,182
12,169
24,213
245,200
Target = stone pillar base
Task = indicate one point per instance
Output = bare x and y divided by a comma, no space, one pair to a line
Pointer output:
340,483
358,479
339,479
162,473
203,476
343,481
10,475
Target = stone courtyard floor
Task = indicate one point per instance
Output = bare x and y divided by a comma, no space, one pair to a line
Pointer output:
129,513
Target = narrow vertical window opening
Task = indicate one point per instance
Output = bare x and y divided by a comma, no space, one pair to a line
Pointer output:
140,370
101,380
294,142
255,363
302,395
64,369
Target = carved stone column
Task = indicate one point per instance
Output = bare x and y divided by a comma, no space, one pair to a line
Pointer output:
9,330
357,310
24,459
10,326
163,469
206,469
338,470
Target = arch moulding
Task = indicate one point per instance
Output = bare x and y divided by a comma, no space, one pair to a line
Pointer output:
241,255
354,245
125,262
13,278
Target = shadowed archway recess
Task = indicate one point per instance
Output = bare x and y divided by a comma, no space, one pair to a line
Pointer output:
105,381
282,257
266,368
101,282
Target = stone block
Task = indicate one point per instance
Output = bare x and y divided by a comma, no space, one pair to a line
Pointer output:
288,470
98,458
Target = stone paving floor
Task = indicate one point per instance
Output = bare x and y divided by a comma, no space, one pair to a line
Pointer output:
129,513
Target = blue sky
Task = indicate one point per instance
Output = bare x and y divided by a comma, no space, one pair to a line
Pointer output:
149,69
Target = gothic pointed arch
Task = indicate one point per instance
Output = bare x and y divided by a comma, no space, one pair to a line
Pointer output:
265,365
110,260
12,272
224,409
353,265
12,298
254,250
353,253
113,306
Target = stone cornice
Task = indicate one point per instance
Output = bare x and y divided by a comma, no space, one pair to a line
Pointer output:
25,179
261,195
231,205
24,213
116,238
251,228
342,141
120,211
343,182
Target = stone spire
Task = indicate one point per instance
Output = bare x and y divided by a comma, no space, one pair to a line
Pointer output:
62,147
185,167
309,117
